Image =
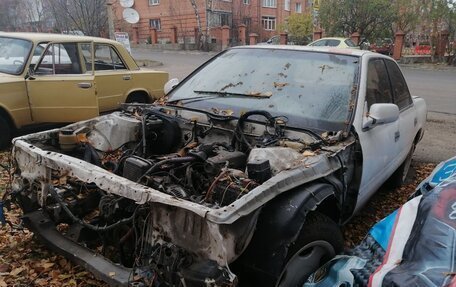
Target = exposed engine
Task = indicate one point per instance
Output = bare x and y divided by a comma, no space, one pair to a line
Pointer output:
208,160
194,161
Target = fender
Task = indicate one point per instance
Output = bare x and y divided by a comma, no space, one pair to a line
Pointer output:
278,226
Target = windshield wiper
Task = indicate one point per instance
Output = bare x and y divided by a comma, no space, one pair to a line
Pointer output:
217,94
225,93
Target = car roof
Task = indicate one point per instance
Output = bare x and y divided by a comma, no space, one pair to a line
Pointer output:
332,38
46,37
330,50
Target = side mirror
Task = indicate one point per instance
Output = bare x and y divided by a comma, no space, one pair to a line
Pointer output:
169,86
380,114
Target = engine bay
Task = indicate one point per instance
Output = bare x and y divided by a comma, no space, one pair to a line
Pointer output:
211,162
160,189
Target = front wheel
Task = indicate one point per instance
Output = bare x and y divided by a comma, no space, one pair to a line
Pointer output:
320,240
6,134
400,175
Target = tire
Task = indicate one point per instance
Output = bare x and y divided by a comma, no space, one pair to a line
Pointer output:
400,175
319,240
138,98
6,133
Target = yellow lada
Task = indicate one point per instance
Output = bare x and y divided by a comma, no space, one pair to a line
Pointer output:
52,78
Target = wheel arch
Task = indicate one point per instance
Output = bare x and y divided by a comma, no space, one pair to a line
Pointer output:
139,92
419,136
280,223
7,116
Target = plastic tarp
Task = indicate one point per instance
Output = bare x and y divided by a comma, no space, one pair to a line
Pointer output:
413,246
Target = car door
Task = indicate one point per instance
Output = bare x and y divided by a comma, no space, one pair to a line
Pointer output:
112,77
407,116
380,146
59,88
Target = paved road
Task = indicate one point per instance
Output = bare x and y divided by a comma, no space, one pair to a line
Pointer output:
437,87
177,63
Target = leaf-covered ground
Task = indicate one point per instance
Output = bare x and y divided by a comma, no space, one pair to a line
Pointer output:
24,261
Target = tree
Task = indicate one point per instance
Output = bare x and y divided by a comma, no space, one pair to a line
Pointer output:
299,26
9,15
33,14
370,18
407,16
88,16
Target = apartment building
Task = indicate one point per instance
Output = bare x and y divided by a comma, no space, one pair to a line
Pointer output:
263,17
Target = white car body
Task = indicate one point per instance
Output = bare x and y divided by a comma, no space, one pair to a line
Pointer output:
376,142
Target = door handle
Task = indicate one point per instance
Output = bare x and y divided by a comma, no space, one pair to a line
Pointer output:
85,85
126,77
397,135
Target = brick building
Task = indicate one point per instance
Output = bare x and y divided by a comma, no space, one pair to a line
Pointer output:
173,18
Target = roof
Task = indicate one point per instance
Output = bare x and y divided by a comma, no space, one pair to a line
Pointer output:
332,38
332,50
46,37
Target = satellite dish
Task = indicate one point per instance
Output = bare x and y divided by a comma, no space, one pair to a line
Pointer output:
127,3
130,15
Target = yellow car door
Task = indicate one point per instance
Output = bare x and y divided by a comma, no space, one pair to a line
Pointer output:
112,76
61,88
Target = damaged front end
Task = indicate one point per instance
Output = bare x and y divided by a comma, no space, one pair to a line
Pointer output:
161,195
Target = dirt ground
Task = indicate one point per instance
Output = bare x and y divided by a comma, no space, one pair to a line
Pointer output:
24,261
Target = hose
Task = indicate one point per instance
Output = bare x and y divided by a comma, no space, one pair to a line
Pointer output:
80,221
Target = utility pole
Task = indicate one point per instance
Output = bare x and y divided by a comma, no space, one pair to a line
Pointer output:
110,19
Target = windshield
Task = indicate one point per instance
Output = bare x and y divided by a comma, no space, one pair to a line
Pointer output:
13,55
312,89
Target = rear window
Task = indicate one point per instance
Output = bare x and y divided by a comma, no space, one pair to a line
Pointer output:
350,43
332,43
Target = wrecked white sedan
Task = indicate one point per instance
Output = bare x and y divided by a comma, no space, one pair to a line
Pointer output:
242,175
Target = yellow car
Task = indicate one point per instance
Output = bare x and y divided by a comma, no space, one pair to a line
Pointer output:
334,42
52,78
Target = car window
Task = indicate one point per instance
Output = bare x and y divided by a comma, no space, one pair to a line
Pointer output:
319,43
39,50
106,58
350,43
59,58
332,43
378,86
14,54
402,96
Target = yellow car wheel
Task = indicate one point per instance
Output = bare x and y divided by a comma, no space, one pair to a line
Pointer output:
5,130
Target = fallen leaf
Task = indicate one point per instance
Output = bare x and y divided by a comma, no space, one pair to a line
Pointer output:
16,271
112,274
279,85
48,265
4,268
308,153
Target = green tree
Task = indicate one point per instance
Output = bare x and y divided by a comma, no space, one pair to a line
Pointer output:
408,15
371,18
299,27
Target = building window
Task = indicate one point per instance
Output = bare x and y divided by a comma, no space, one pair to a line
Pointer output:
246,2
287,5
298,8
155,23
269,23
270,3
154,2
217,19
247,21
